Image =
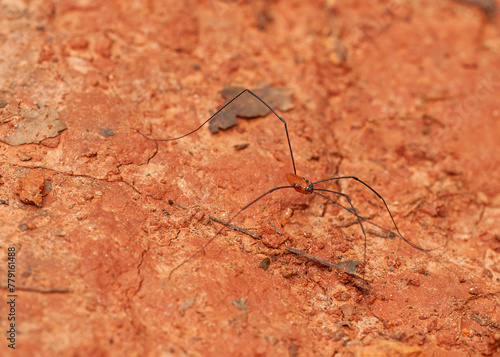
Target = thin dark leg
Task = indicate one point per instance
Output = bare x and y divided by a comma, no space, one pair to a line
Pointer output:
385,204
223,227
221,109
353,211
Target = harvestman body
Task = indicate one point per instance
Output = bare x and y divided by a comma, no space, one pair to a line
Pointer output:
304,186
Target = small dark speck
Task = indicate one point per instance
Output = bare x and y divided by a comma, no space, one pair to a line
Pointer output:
165,212
3,103
106,132
170,202
427,273
265,263
196,66
410,307
2,202
241,146
23,227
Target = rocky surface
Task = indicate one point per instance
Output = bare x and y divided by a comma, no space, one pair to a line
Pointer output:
402,94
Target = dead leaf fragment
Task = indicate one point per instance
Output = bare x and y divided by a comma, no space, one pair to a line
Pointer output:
249,107
35,125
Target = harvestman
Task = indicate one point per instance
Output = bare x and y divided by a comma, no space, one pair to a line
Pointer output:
304,186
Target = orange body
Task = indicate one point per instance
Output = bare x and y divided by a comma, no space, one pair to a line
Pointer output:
300,184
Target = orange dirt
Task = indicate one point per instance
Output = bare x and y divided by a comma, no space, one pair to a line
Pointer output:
402,94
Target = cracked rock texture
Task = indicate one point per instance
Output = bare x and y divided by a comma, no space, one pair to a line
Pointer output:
402,94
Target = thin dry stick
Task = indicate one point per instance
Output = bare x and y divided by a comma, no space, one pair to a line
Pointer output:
381,234
341,266
236,228
227,224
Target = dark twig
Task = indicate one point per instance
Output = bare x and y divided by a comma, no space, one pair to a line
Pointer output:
345,266
227,224
236,228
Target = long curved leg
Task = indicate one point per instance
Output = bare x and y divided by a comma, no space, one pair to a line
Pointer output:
221,109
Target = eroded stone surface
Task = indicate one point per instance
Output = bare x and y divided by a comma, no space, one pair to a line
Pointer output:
411,108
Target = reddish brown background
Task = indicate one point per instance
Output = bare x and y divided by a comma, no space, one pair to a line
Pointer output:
412,110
